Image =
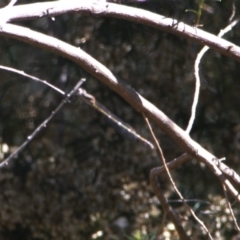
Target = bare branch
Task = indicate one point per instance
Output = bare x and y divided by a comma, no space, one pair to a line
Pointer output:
168,210
229,173
197,88
81,58
42,125
22,73
230,208
162,158
102,8
197,76
11,3
173,164
138,102
233,11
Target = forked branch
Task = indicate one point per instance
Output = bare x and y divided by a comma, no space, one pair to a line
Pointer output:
138,102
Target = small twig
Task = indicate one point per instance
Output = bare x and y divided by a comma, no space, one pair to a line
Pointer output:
11,3
230,207
197,88
229,173
190,200
168,210
197,76
88,98
162,158
233,11
173,164
42,125
22,73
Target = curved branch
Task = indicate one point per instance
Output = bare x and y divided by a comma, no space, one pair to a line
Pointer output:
129,94
95,7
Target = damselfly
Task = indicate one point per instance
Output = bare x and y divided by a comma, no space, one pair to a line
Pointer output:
90,100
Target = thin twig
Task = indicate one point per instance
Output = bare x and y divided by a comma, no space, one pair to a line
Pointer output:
197,76
22,73
173,164
197,88
229,173
168,210
233,11
42,125
11,3
227,199
162,158
94,103
230,207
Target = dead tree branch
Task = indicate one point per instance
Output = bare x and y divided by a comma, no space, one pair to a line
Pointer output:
139,16
129,94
